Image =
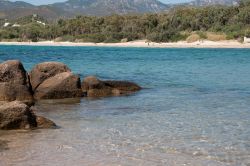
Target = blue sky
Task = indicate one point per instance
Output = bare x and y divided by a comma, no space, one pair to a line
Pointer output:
39,2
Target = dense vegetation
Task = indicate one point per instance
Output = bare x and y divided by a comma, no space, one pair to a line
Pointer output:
178,24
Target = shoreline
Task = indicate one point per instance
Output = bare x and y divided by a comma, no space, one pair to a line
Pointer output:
139,44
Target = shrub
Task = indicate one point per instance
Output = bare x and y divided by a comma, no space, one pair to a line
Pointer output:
215,37
68,38
168,36
111,40
95,38
247,33
193,38
202,35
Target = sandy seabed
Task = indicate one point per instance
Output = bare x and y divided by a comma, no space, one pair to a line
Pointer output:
142,43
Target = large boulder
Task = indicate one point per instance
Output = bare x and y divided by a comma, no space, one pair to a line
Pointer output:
54,80
14,82
63,85
17,115
45,70
93,87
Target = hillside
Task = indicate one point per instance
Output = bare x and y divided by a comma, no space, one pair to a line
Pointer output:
13,10
183,23
7,5
71,8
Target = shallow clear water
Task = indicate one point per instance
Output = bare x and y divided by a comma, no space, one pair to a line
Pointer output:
194,110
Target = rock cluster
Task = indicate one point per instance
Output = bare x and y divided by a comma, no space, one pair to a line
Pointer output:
54,80
48,80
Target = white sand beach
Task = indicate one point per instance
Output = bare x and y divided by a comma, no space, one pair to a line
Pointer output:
142,43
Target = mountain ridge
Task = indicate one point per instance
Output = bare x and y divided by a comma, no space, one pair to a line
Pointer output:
72,8
107,7
214,2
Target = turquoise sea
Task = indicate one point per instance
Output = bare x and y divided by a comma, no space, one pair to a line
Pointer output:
194,110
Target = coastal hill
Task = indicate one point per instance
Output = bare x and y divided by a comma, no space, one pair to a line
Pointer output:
70,8
214,23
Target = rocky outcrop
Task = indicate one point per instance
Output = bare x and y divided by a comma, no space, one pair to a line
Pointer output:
17,115
93,87
54,80
14,82
50,80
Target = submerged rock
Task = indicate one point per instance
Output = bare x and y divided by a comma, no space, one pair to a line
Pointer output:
93,87
44,123
54,80
14,82
17,115
123,86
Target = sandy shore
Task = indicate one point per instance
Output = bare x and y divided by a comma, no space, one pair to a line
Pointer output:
141,43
